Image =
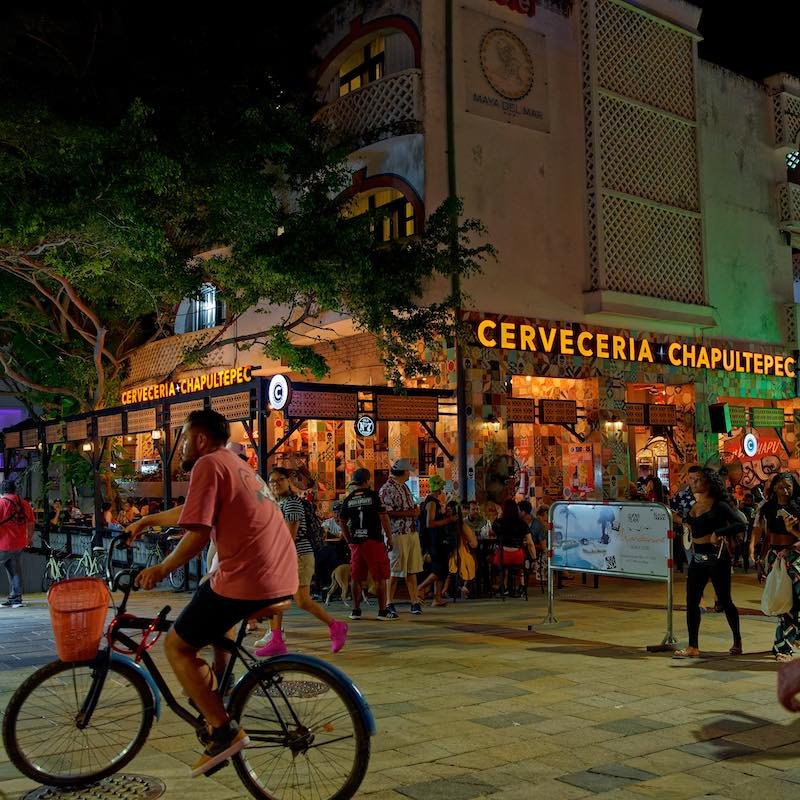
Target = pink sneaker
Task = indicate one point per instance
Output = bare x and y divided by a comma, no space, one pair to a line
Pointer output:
338,635
274,647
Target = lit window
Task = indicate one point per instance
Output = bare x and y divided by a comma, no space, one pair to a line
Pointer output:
793,160
362,67
205,310
397,218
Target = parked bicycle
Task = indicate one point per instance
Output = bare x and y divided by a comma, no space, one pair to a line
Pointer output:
56,567
72,724
158,544
91,564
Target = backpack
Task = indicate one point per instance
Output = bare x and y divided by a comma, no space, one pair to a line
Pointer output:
314,530
17,516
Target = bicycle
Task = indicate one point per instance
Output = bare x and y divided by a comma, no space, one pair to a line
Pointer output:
72,724
154,554
56,567
90,564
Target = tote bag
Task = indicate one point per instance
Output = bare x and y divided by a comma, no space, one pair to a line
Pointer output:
777,597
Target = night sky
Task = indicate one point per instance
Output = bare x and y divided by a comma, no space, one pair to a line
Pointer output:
756,40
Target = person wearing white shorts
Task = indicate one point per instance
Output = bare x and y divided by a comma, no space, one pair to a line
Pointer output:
405,558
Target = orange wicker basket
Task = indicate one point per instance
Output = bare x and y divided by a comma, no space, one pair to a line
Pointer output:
78,609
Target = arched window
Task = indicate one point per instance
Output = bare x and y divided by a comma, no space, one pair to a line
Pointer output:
397,214
364,66
203,311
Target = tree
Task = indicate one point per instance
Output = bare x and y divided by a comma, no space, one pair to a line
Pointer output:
119,164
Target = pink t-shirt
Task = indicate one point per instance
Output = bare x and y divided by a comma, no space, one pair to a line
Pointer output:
257,557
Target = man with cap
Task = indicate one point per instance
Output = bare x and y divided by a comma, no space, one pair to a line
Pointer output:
406,555
364,523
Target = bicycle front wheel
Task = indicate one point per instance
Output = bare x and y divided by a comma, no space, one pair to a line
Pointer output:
307,738
76,569
42,730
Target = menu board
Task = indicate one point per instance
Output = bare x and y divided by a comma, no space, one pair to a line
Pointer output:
558,412
660,414
766,417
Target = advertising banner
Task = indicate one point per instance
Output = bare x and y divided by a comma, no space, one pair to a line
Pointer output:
624,539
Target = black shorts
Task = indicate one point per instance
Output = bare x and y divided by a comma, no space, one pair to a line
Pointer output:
209,616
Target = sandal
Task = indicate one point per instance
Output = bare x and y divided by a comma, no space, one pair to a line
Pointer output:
783,658
687,652
736,650
439,603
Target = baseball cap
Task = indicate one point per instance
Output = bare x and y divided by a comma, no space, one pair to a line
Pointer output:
361,475
402,465
436,482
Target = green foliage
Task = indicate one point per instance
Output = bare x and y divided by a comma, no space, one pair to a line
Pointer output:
120,164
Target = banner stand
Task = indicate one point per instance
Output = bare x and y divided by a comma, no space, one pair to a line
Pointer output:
615,564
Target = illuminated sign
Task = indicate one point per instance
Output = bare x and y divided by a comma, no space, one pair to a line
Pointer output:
766,417
576,341
279,392
365,426
521,6
558,412
198,383
750,445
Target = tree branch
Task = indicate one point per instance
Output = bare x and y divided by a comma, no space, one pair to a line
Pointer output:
38,387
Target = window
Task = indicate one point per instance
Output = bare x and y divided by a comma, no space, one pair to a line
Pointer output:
793,167
201,312
364,66
397,214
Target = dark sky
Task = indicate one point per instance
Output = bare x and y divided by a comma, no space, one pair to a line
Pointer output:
757,39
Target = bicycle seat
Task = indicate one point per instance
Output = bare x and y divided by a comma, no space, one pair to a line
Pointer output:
272,609
97,549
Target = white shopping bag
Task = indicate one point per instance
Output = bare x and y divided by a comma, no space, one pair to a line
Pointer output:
778,596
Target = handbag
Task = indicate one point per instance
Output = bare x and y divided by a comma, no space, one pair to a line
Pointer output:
778,596
687,537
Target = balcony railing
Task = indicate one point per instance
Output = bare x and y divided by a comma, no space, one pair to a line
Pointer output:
154,361
389,107
789,207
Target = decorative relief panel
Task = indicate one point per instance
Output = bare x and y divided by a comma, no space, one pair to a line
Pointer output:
400,408
142,420
233,406
322,405
109,425
54,433
178,412
77,429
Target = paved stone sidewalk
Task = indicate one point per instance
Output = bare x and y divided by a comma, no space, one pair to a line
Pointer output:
470,704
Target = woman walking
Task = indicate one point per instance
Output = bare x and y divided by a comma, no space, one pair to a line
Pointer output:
513,535
713,521
782,528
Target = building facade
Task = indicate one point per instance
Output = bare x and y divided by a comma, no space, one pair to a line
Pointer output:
646,209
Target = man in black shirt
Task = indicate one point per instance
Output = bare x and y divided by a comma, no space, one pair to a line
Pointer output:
364,522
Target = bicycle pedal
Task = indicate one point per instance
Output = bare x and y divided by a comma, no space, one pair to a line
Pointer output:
217,768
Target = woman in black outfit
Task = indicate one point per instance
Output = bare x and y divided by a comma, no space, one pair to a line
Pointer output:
511,533
780,515
712,519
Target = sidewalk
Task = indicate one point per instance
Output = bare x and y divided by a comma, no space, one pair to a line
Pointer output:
470,704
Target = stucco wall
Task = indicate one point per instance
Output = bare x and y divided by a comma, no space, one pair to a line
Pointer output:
748,264
525,185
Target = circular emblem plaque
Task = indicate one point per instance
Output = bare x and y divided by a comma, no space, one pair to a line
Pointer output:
365,426
506,63
750,445
278,392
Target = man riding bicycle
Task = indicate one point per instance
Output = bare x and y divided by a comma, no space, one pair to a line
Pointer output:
228,504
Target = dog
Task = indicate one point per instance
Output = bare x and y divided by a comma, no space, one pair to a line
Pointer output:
340,579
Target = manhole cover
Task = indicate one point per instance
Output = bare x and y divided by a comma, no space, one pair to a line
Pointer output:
129,787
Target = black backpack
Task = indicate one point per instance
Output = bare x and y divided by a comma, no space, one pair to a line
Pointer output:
314,530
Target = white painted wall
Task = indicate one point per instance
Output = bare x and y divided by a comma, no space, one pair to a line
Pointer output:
748,263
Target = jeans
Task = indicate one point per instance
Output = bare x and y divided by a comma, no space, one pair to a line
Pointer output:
12,561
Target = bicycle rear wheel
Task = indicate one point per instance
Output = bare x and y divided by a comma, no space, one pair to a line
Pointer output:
76,568
40,727
307,738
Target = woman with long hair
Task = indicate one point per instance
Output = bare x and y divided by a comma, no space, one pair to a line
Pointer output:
511,531
654,490
782,527
713,520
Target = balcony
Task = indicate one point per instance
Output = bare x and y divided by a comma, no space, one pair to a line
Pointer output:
789,209
389,107
153,362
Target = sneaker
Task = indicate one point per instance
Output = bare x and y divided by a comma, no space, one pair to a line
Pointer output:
355,614
416,608
12,604
391,608
338,632
264,639
386,613
222,743
275,647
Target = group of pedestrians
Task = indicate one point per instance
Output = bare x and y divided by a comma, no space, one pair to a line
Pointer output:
720,529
